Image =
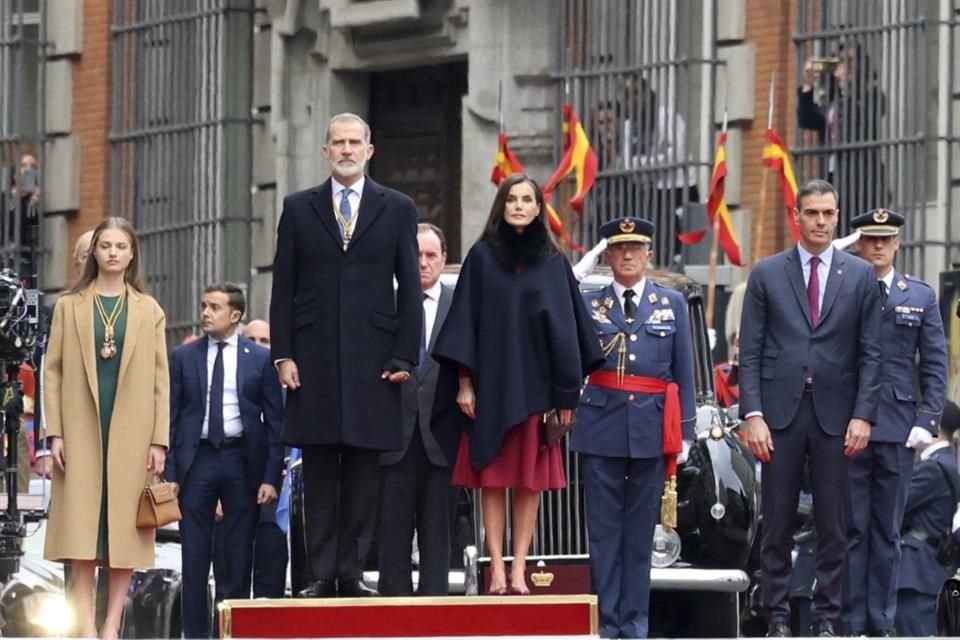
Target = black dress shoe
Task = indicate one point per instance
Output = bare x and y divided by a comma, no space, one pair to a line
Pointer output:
823,629
778,630
887,633
354,589
319,589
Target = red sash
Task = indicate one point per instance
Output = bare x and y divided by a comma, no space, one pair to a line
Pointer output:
672,436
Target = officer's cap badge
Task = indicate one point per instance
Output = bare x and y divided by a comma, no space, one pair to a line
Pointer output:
880,216
627,225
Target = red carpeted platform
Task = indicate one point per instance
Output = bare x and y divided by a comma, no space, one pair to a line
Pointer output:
410,617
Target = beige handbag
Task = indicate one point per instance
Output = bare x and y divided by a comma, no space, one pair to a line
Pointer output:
158,506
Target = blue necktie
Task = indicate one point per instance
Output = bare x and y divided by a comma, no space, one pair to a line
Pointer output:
215,420
345,209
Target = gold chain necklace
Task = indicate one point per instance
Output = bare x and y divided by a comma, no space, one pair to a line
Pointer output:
109,347
346,225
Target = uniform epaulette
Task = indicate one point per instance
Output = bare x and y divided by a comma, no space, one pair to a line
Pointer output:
915,279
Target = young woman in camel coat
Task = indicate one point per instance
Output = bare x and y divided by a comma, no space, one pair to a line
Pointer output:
87,526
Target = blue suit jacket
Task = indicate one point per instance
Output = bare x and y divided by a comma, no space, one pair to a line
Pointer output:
930,508
624,424
911,326
779,344
261,410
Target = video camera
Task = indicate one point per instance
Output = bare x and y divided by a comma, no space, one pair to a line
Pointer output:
19,331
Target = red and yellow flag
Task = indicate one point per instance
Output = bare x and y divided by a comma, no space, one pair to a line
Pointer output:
505,164
578,158
717,203
776,156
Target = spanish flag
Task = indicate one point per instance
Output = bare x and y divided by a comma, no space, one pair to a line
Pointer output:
578,158
505,164
717,203
776,156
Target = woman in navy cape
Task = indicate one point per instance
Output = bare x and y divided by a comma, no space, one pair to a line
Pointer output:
522,342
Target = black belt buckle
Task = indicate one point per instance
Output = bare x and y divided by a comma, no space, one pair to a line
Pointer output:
232,443
808,386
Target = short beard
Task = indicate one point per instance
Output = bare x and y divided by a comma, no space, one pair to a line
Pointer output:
356,170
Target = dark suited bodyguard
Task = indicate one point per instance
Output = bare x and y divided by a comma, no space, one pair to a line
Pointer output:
225,412
415,493
344,341
931,503
645,386
914,349
810,360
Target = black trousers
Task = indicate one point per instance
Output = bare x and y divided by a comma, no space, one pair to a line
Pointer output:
415,495
340,486
269,561
804,440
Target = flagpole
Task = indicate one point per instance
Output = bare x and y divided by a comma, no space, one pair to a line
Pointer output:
714,257
760,214
500,106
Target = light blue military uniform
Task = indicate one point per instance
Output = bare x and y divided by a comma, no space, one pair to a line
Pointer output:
914,351
619,435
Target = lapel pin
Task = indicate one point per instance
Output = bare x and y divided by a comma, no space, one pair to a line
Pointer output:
608,303
652,298
246,350
839,271
901,285
665,301
594,303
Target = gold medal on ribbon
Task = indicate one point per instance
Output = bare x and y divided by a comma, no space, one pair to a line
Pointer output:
109,347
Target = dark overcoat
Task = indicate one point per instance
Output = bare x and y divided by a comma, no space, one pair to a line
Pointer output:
336,314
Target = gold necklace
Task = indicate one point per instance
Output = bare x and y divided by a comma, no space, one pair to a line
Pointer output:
109,347
346,225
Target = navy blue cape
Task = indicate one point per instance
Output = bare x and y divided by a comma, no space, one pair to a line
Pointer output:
526,337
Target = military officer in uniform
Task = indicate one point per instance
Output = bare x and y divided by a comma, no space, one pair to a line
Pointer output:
914,350
631,413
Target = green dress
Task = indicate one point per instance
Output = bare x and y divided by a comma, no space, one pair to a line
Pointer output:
108,372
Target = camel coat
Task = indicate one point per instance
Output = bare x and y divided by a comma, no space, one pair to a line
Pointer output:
141,417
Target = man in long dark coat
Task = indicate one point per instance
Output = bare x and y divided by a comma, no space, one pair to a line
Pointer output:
343,342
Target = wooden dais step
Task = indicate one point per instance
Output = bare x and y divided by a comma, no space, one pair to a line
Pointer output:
569,615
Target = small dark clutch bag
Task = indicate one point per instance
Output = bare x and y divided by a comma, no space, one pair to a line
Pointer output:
551,431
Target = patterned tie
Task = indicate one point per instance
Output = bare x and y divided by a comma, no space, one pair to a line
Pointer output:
215,433
629,306
345,209
813,290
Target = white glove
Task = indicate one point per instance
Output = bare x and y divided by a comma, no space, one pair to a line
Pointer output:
685,451
589,261
919,439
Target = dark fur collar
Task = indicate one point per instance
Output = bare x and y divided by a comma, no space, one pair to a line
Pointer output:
514,250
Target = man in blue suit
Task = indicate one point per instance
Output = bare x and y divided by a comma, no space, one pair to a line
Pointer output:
810,360
931,503
226,409
644,389
914,350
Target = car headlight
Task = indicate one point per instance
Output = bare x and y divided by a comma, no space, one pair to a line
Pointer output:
48,613
666,547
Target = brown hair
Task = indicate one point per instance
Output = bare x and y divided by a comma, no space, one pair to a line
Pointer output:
495,220
91,269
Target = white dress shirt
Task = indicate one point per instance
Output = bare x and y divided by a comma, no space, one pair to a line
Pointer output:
431,302
932,449
356,189
232,425
823,269
637,289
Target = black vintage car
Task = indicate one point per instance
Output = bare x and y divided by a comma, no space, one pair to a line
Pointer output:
718,510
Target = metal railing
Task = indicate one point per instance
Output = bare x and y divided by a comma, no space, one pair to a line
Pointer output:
876,118
181,144
22,114
640,75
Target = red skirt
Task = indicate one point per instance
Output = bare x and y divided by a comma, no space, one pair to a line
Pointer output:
520,464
